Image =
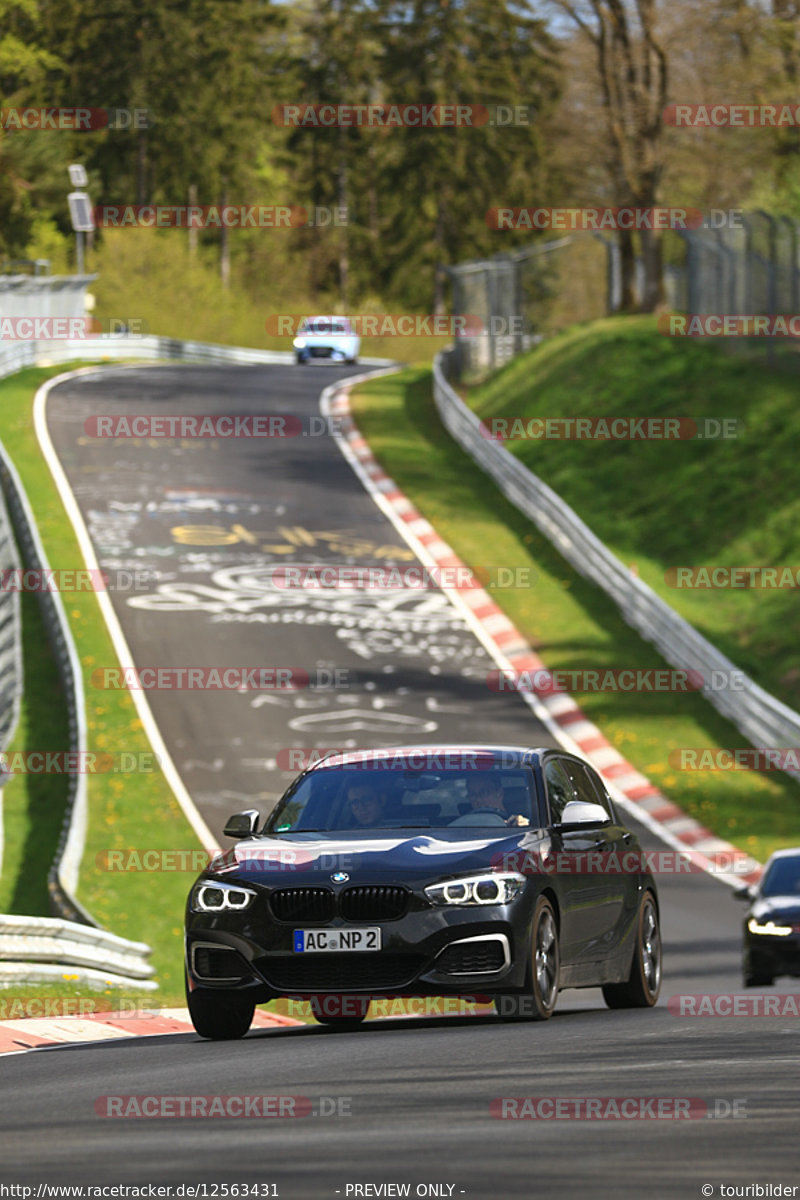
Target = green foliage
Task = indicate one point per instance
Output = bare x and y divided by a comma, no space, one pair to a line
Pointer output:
663,504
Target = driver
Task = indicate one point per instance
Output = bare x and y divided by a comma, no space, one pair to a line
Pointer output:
366,805
485,790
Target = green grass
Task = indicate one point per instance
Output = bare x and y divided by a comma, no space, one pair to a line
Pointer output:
135,810
569,622
663,504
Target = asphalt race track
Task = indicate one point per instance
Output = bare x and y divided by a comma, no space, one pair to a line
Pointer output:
411,1097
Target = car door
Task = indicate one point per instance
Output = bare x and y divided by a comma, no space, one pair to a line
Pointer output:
629,866
608,856
589,896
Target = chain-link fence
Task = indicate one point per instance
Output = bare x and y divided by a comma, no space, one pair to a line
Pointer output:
751,266
515,299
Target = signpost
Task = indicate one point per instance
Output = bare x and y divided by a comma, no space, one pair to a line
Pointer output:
80,209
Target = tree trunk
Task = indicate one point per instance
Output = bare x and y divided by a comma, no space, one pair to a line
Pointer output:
225,248
344,249
192,227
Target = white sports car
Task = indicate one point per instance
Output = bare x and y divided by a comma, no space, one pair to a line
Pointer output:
326,337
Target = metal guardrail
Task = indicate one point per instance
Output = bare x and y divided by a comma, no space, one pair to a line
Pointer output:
759,716
10,647
28,943
63,876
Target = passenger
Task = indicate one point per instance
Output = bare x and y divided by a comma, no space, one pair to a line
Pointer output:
485,790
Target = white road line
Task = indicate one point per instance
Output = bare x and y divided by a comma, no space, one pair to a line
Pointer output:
152,731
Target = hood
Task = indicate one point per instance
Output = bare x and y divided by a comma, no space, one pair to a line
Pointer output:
785,907
371,857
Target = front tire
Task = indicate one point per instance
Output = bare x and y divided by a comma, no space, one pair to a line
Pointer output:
644,981
756,975
545,968
219,1016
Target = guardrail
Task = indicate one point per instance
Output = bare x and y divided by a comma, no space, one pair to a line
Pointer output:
37,949
759,716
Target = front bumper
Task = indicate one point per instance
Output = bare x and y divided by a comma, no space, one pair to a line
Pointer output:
431,951
772,955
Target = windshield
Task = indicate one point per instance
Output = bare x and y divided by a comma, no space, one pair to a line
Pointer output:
364,797
782,878
320,325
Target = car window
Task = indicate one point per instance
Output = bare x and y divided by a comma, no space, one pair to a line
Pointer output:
587,787
559,788
782,878
364,797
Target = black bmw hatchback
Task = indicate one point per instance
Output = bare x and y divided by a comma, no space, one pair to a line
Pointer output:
425,871
772,923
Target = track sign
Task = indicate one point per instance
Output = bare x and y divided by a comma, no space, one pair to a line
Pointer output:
80,211
77,175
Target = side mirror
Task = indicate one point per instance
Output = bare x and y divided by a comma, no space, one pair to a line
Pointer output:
743,893
242,824
578,813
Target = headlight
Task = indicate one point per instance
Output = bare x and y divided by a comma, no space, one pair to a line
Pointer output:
217,897
493,888
769,927
299,343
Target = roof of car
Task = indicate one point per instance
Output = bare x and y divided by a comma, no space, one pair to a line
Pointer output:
787,852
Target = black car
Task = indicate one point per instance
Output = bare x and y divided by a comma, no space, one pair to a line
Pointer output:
772,923
425,871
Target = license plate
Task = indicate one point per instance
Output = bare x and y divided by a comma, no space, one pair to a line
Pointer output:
335,940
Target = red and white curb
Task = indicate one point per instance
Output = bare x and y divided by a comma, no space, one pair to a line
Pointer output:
558,712
31,1033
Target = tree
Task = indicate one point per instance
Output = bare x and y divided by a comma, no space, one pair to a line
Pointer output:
633,77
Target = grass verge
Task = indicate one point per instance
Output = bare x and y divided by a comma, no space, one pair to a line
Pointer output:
131,810
666,504
572,624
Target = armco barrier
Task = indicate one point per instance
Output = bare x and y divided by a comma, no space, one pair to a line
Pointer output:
760,717
38,949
